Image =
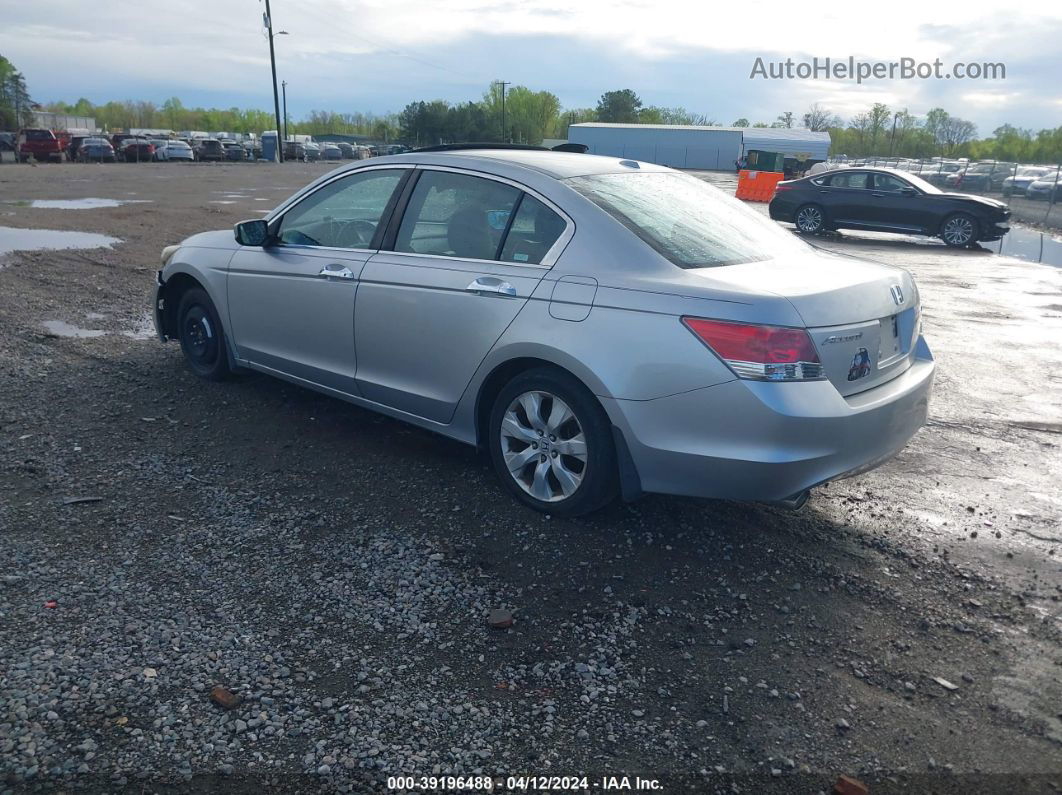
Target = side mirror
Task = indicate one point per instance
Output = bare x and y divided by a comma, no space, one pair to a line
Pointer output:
252,233
908,192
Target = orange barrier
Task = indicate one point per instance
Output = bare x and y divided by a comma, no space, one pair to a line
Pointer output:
757,186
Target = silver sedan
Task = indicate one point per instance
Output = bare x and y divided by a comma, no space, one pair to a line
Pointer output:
600,327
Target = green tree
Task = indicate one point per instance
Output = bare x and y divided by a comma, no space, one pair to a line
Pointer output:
619,107
742,122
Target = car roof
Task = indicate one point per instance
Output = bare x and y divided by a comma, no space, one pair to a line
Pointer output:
559,165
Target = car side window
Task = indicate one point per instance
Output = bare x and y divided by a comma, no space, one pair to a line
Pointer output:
887,182
853,179
534,230
342,214
456,215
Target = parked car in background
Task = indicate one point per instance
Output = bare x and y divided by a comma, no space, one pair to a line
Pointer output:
210,149
173,149
1044,188
137,150
1026,176
986,177
938,173
95,149
40,144
234,150
252,148
349,153
363,152
330,151
715,354
886,200
311,151
7,142
73,145
294,150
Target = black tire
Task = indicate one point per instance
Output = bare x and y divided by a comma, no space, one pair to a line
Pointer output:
598,477
960,230
810,219
202,336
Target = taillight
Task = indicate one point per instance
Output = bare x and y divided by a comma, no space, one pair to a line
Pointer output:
781,186
764,353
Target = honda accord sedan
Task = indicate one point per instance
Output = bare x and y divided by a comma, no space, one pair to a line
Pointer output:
600,327
887,200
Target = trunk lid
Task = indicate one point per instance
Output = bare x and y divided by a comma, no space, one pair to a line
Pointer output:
863,317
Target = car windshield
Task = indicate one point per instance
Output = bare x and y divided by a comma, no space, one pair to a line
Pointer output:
688,221
921,184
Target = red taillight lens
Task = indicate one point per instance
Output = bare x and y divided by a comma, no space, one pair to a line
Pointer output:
782,186
769,353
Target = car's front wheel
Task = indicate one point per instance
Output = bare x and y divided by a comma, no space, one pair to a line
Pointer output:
959,230
201,335
551,444
810,219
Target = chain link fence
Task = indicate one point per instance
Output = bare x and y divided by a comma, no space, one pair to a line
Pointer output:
1034,192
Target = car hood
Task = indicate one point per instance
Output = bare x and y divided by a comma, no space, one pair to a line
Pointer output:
222,238
982,200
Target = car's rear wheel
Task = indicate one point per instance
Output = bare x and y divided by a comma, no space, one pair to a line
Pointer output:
551,444
810,219
201,335
959,230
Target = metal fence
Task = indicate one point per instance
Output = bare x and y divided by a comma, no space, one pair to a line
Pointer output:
1034,192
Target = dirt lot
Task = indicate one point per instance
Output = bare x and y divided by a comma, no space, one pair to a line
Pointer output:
334,568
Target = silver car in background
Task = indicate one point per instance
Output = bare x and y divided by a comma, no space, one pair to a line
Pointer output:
599,326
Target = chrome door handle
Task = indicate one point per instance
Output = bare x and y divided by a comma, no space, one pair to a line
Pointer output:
336,272
491,284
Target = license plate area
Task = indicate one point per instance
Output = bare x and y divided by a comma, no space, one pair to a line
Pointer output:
890,347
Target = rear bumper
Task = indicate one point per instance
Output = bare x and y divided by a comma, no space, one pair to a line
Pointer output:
751,440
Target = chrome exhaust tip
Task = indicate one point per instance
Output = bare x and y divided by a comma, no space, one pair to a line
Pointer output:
796,502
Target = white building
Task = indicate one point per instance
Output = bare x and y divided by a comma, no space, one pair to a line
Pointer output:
691,146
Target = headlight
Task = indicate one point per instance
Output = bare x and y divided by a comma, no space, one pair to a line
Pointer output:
168,252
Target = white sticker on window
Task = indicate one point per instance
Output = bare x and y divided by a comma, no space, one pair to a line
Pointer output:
520,257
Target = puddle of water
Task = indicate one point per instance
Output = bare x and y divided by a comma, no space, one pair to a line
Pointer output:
222,201
60,328
1029,244
13,239
79,204
143,330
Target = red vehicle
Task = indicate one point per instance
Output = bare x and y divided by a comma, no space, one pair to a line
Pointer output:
42,145
137,150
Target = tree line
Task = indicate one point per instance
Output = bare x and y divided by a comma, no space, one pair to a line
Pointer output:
530,116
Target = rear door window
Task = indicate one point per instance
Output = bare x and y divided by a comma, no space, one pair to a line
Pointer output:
534,230
456,215
852,179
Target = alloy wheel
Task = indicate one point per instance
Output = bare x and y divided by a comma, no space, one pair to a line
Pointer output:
543,446
809,219
958,231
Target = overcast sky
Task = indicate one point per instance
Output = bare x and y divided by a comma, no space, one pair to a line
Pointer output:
377,55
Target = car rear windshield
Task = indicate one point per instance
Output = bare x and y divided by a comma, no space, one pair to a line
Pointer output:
685,219
39,135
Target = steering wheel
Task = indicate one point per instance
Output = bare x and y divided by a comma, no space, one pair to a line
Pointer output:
352,234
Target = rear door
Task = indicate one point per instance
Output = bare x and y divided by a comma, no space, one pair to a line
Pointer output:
847,196
291,304
467,253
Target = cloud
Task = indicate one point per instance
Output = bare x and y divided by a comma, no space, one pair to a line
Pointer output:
376,55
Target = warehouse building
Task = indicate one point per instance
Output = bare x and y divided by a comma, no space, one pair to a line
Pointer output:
688,146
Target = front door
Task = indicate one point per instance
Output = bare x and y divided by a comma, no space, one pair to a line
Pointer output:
291,303
469,251
893,208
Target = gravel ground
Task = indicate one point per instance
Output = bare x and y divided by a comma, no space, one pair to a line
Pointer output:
334,570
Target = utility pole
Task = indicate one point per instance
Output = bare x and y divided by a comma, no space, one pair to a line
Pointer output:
505,133
278,156
892,141
284,86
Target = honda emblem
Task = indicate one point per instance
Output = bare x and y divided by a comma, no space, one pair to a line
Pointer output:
897,294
